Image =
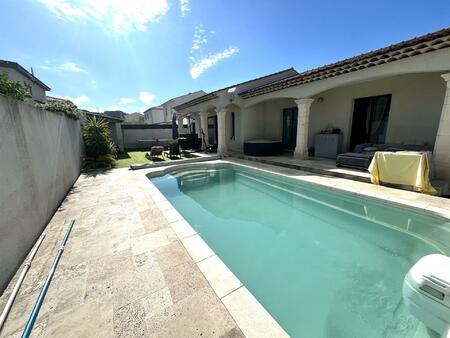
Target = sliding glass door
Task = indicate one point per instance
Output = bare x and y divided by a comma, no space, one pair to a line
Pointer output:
370,119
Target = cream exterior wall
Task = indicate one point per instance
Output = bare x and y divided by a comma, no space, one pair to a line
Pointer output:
414,114
414,83
265,120
38,93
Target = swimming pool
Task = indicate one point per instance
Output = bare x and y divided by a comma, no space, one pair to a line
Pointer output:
323,263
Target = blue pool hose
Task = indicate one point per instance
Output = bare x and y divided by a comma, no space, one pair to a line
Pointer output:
27,331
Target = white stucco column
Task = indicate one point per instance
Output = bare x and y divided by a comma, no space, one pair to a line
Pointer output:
204,127
180,125
221,132
301,148
442,144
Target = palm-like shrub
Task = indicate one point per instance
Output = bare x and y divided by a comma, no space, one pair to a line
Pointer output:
97,138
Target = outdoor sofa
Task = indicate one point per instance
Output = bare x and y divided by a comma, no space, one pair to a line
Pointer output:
363,154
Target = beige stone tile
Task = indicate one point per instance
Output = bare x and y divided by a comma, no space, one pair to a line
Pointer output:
151,241
90,319
17,319
250,315
37,332
222,280
132,285
172,255
156,301
200,314
129,321
182,229
154,223
197,248
101,271
183,280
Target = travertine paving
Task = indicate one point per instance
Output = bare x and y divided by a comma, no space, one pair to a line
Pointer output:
133,267
124,272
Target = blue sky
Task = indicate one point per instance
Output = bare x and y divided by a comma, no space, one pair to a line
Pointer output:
133,54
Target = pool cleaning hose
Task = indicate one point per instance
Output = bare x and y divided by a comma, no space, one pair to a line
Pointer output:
19,282
27,331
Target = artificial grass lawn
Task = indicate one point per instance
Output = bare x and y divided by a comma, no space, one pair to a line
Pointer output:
124,160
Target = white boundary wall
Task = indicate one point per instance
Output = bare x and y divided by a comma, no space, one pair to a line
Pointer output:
40,159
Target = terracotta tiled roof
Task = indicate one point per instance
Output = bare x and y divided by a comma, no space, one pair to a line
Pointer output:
198,100
213,94
419,45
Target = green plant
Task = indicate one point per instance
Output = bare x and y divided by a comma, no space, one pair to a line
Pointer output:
64,106
97,138
13,89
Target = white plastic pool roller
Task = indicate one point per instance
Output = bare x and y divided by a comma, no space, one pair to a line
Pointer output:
426,291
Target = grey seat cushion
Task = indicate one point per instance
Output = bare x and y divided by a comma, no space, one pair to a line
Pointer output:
354,160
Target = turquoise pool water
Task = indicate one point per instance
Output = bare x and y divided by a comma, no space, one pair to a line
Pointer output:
324,264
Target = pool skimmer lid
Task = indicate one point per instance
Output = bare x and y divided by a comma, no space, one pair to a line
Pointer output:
426,291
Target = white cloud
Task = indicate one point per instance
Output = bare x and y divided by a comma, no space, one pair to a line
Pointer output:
114,107
70,67
146,97
126,100
67,66
201,37
93,84
198,67
119,15
77,100
185,7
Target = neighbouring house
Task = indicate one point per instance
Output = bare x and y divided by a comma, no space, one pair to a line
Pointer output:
164,112
398,94
114,123
154,115
16,72
134,118
118,114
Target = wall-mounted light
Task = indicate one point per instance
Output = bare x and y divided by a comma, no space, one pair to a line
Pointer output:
231,93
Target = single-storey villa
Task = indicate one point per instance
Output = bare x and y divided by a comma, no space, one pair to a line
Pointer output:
399,94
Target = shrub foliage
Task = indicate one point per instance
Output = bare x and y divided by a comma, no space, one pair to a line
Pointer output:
15,89
64,106
97,138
